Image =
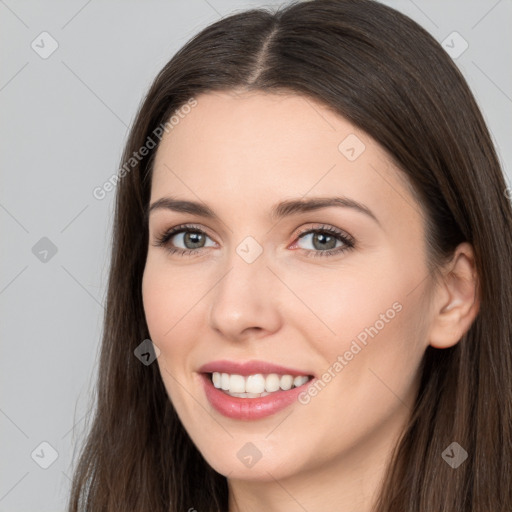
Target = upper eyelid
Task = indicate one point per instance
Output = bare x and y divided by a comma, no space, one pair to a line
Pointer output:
325,227
180,228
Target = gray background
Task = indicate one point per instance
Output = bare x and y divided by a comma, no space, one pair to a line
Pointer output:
64,122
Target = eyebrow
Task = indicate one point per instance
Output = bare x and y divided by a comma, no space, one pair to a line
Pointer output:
278,211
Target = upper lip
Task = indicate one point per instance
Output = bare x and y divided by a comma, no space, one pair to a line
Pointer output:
249,368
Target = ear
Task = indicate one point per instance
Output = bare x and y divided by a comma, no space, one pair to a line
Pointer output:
456,299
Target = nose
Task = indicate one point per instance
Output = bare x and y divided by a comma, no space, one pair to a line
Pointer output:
245,302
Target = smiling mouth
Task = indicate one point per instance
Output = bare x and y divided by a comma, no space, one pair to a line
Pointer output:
257,385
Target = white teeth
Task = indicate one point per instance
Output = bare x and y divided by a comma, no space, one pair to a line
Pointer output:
224,382
286,382
236,384
217,379
257,385
272,382
298,381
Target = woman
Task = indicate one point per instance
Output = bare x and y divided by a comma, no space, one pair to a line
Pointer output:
310,291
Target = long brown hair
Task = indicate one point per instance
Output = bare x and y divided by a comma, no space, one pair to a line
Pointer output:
411,98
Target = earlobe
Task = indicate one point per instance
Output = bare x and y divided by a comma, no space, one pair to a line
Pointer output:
456,299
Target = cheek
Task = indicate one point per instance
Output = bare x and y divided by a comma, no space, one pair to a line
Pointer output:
347,301
371,366
167,298
163,309
166,303
371,317
155,301
175,304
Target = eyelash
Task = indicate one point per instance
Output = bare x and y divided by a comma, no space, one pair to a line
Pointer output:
164,238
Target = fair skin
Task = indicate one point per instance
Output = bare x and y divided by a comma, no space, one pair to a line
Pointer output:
241,154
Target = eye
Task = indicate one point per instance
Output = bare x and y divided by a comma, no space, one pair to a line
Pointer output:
191,239
324,241
187,240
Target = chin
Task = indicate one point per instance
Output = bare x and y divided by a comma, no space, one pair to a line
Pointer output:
256,461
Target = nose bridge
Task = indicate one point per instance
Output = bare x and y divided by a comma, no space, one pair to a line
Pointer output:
244,297
247,264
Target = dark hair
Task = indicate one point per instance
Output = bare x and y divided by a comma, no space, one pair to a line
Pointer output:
412,99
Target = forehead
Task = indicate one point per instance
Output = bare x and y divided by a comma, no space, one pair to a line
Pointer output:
250,147
254,128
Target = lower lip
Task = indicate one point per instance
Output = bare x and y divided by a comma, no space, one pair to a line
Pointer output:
249,408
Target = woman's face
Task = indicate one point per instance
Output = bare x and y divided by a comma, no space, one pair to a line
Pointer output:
266,289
